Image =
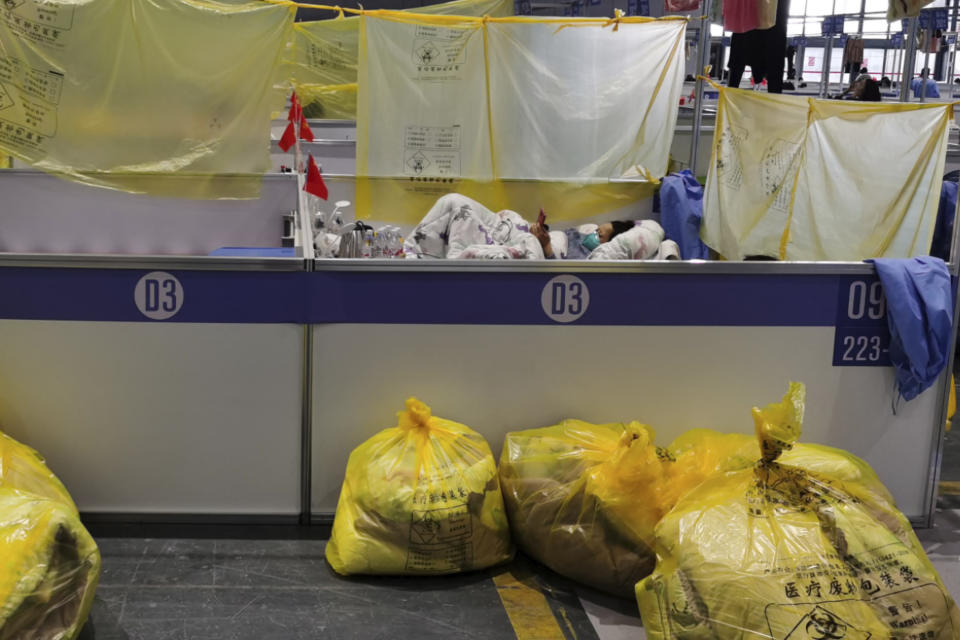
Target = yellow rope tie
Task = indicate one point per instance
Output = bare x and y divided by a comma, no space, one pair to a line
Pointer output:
615,20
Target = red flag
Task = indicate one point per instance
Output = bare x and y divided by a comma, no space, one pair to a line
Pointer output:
289,137
305,132
296,111
315,183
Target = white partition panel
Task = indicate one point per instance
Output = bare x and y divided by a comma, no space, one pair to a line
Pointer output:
40,213
678,347
498,379
159,418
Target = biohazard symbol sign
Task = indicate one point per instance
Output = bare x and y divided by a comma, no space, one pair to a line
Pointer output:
5,100
418,162
821,624
427,53
424,528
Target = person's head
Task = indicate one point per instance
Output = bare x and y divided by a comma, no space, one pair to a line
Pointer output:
863,70
857,88
925,72
610,230
885,82
871,91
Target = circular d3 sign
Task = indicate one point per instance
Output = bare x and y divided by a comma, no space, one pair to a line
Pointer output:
158,295
565,298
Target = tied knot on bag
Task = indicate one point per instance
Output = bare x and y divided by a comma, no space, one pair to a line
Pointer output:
778,425
633,432
416,416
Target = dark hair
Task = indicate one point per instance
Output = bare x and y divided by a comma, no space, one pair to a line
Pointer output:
863,70
621,226
871,91
885,82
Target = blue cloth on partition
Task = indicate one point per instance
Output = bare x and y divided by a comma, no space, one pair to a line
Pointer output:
681,212
920,315
943,230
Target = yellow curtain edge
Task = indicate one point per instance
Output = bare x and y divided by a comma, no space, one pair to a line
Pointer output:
428,17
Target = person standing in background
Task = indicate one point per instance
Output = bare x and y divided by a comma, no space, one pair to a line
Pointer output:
932,91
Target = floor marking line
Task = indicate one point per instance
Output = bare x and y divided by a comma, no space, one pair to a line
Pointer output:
527,608
950,487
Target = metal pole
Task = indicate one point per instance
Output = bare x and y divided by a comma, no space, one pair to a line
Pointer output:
926,65
943,397
909,57
825,75
703,54
886,47
306,424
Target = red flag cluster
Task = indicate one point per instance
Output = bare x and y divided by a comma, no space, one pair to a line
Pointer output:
297,126
295,119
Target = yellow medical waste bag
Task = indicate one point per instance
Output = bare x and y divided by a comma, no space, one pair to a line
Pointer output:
169,97
804,544
420,498
584,498
753,167
49,564
325,54
869,181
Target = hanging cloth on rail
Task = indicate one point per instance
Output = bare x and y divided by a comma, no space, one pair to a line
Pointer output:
168,97
325,54
823,179
920,315
746,15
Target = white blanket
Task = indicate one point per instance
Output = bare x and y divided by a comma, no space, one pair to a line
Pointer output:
640,243
460,228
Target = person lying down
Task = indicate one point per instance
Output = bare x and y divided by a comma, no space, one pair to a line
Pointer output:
457,227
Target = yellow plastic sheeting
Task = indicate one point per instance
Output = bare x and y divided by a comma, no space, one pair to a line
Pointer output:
804,544
584,499
420,498
50,565
406,201
422,106
823,180
756,153
115,93
586,102
869,184
492,101
544,99
325,54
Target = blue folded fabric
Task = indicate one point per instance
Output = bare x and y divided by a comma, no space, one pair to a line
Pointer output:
920,315
681,212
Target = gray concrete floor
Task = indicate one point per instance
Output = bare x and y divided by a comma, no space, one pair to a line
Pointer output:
216,589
